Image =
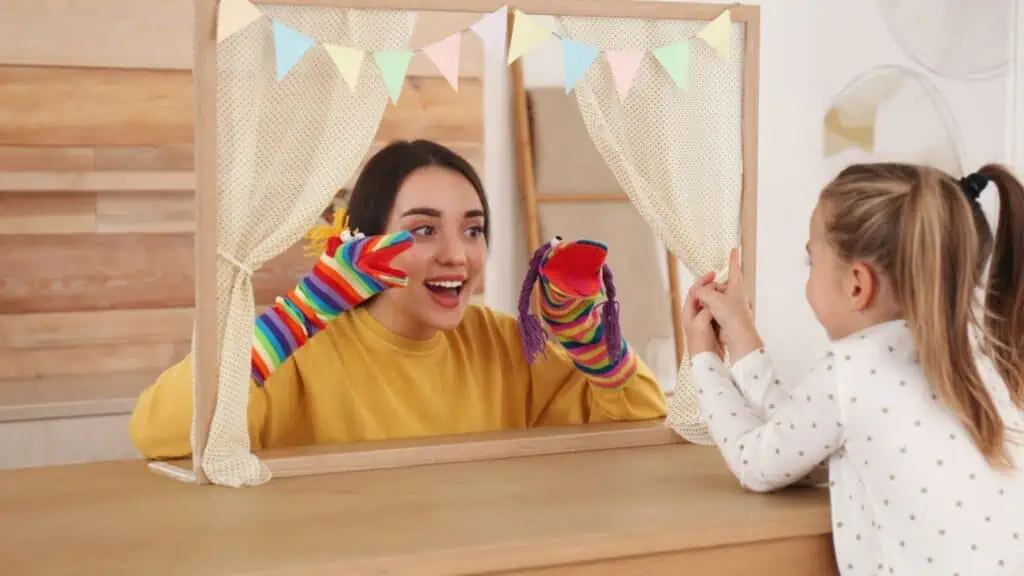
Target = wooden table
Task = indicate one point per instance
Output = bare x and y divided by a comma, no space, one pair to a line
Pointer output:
658,510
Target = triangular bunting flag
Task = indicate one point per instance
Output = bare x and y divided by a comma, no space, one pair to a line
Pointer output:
526,33
577,60
718,34
445,55
675,58
624,66
349,62
393,64
493,31
289,47
234,16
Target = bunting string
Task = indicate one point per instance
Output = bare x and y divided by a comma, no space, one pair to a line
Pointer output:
291,45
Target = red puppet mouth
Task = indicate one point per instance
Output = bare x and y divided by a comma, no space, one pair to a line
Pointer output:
376,261
575,268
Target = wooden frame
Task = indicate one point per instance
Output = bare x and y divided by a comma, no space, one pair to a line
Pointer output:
206,361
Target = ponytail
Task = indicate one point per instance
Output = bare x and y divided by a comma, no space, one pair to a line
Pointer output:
925,231
1004,295
937,272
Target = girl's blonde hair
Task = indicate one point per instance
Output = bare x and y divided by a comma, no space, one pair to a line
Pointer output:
926,233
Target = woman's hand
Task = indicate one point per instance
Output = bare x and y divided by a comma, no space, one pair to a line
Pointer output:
731,309
698,324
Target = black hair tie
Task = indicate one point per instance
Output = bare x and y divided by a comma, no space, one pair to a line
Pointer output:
973,185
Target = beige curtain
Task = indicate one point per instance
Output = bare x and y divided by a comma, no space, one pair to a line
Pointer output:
284,149
677,154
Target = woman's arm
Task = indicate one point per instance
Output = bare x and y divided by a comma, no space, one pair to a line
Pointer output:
578,306
348,272
161,422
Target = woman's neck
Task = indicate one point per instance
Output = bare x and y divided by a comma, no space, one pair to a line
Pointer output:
390,316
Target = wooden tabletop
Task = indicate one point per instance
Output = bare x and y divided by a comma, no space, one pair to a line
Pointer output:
121,518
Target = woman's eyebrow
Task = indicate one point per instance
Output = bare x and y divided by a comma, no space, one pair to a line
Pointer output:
422,212
474,214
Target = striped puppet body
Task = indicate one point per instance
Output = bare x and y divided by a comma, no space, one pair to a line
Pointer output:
579,326
345,275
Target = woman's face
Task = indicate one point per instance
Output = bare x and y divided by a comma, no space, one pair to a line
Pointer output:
445,265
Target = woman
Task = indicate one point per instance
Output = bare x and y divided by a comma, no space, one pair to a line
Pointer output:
379,340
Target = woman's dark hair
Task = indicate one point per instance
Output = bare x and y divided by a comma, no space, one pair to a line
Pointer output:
374,193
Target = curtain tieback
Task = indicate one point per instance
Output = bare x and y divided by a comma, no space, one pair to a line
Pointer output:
236,263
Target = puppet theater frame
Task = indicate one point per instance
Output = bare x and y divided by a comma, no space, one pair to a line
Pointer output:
211,267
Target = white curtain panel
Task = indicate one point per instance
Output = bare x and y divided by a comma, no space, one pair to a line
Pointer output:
676,153
284,148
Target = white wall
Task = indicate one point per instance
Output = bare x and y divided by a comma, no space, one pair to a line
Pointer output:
1015,92
808,53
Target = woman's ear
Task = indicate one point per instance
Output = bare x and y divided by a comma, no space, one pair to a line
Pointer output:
863,287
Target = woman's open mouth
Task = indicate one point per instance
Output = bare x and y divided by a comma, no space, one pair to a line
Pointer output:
446,292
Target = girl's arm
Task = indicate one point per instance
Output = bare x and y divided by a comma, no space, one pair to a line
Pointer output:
769,452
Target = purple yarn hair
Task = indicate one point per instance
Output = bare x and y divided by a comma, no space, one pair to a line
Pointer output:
530,329
610,318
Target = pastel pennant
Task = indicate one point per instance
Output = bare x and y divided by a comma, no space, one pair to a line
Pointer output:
493,31
349,62
675,59
393,65
445,55
526,33
718,34
577,58
233,16
624,66
290,46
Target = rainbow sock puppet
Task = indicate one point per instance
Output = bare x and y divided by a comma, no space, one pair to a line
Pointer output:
578,306
351,269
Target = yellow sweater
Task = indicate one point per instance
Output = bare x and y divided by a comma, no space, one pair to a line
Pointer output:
356,380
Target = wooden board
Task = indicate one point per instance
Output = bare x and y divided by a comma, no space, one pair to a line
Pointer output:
83,159
49,396
74,272
57,213
478,518
99,327
93,360
76,107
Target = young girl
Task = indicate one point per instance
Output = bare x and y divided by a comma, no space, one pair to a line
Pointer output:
379,340
917,408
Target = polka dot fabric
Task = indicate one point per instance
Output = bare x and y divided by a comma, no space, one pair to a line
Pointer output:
910,492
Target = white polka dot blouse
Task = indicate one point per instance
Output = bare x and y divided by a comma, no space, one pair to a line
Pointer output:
910,492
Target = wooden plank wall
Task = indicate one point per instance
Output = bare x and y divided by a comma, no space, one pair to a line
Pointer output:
97,215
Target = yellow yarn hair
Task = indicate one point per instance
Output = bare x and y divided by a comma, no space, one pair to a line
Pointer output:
319,235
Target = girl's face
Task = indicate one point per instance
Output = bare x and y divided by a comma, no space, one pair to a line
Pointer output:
826,282
846,296
445,265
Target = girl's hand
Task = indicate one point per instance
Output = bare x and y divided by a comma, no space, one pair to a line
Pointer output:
698,323
732,311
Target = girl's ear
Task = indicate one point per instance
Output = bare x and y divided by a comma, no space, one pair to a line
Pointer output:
863,286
